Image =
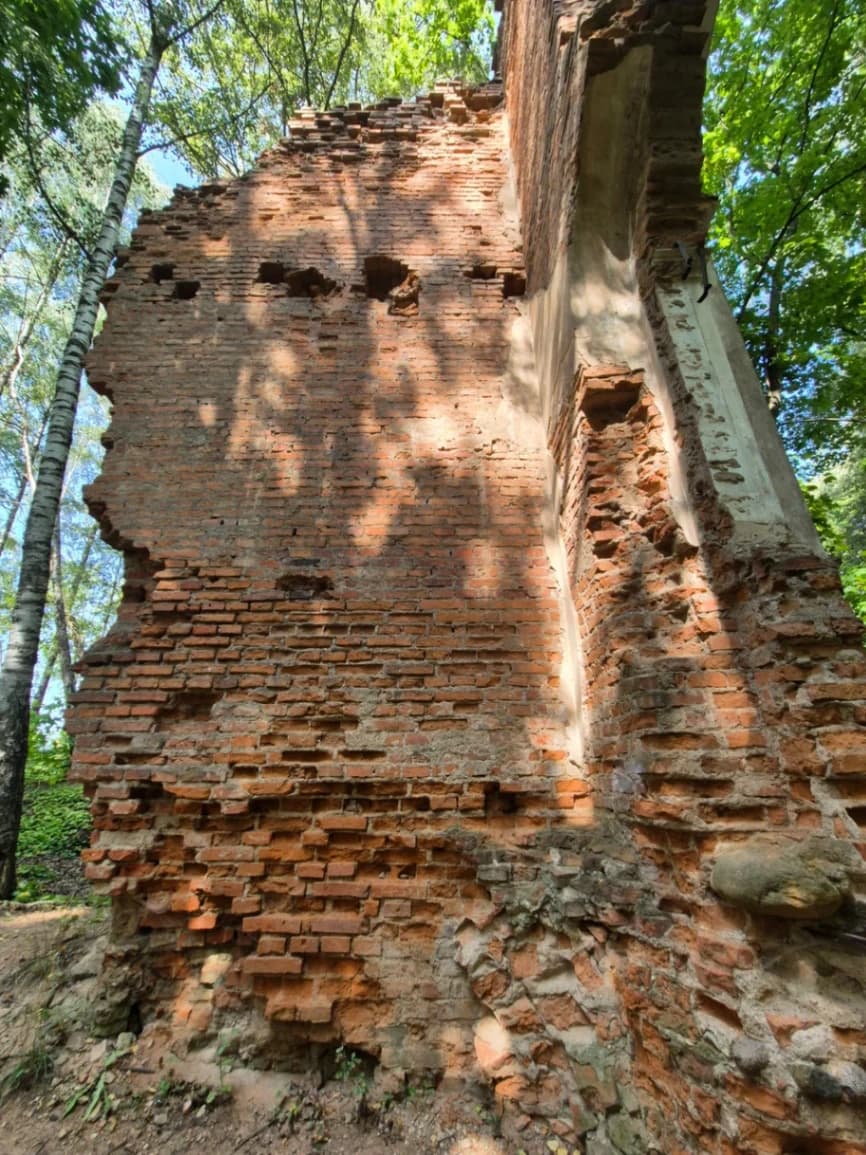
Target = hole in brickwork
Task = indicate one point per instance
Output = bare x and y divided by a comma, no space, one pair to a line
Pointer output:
734,815
195,703
185,290
513,285
133,759
338,722
138,568
810,1146
855,791
481,272
605,546
672,905
670,785
303,587
162,272
309,283
677,613
348,1064
134,1021
665,539
149,792
306,755
498,801
271,273
382,275
609,403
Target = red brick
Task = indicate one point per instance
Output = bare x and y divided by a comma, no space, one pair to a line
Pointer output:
271,924
273,965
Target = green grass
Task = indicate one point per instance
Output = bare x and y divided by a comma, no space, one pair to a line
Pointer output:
55,822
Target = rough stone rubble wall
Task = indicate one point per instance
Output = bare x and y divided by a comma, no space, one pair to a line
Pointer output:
448,667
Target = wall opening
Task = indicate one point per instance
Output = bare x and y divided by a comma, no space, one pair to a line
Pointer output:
513,285
481,272
271,273
382,275
308,282
185,290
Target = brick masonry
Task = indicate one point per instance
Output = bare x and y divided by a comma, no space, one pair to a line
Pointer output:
473,636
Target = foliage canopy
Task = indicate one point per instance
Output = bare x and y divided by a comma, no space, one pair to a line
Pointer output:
785,146
54,57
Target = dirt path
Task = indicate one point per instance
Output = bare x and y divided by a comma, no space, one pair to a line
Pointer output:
145,1101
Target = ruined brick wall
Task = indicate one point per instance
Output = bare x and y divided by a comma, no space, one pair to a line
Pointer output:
472,631
724,677
338,650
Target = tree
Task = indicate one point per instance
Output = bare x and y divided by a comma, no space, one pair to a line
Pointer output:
57,189
414,43
230,94
16,676
837,502
53,59
233,90
785,146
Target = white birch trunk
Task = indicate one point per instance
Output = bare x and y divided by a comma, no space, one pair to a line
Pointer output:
16,677
61,625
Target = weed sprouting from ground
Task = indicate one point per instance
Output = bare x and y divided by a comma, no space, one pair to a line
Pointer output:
33,1067
100,1101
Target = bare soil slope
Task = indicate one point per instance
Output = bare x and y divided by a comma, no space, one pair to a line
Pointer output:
68,1092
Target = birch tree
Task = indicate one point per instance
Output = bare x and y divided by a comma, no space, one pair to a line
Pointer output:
168,24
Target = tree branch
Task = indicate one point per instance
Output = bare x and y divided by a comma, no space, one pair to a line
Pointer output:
208,129
343,52
58,215
304,54
807,105
799,207
190,28
272,67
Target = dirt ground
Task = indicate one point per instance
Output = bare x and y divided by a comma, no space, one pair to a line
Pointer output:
68,1093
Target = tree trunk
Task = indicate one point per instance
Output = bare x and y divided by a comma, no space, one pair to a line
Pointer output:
69,608
28,323
16,677
22,490
773,378
61,625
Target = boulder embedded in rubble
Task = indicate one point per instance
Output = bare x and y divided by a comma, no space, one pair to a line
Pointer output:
805,880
